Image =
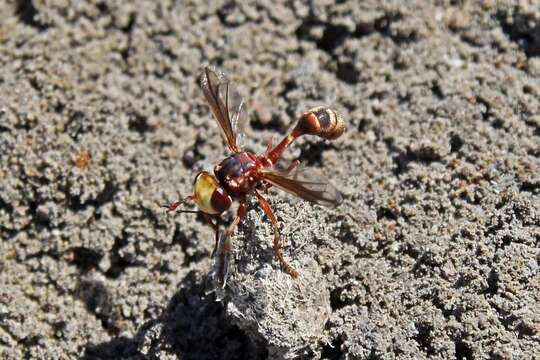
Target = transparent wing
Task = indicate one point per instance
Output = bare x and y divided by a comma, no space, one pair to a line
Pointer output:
226,104
239,115
220,264
309,187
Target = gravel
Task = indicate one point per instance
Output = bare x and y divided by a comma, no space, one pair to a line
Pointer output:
434,253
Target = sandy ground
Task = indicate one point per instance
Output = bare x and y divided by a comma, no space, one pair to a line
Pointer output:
434,252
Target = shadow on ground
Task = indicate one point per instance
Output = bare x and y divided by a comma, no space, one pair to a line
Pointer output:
193,326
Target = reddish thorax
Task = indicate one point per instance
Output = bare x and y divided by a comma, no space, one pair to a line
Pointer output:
238,173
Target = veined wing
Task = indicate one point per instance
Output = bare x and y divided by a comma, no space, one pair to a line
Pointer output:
227,106
308,187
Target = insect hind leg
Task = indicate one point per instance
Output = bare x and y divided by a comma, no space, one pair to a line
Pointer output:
277,243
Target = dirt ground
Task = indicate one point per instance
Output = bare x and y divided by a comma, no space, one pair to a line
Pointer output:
434,253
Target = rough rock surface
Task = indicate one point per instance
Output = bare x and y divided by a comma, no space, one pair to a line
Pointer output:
434,253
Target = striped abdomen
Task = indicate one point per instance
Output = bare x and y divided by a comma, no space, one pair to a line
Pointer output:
321,121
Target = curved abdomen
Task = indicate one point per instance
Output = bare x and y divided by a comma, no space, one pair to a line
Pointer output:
320,121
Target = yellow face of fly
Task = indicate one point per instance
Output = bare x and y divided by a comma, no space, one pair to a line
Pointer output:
209,196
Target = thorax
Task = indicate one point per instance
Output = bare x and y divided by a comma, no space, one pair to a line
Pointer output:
238,173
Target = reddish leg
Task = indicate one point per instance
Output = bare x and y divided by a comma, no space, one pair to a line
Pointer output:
269,146
277,245
173,205
291,167
222,254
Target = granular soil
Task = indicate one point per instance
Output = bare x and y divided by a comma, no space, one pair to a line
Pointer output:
434,252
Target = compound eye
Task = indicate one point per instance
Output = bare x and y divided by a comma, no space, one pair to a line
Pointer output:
210,197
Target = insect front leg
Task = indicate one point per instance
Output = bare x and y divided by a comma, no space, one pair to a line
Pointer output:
277,243
173,205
